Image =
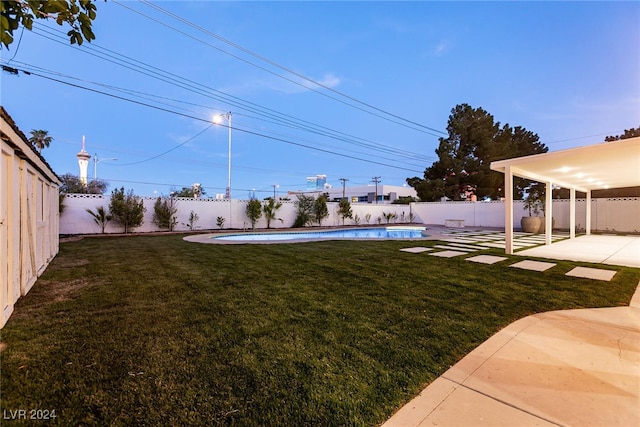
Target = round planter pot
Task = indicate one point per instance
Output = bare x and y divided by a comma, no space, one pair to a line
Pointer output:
531,224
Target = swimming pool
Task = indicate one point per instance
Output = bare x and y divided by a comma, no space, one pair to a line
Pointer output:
396,232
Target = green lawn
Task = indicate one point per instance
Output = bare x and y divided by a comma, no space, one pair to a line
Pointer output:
153,330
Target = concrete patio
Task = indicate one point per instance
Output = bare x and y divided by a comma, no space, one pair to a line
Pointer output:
561,368
601,249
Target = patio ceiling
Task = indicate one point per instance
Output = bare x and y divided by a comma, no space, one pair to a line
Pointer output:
613,164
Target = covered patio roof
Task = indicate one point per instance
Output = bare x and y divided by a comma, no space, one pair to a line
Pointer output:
607,165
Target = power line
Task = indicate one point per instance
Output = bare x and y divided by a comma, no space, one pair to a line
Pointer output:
168,151
239,129
403,121
173,79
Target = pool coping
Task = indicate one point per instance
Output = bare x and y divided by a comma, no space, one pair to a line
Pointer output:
213,238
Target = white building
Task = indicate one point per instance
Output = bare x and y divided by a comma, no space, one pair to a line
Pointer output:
367,193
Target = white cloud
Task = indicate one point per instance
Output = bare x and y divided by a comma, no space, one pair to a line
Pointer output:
441,48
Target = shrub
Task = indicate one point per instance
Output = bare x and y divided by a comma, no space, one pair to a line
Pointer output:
127,209
344,210
253,211
191,222
164,213
220,221
320,209
304,213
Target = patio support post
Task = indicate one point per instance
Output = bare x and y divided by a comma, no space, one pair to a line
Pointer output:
508,210
548,215
572,213
587,225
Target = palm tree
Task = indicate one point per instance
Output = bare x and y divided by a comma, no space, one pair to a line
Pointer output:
100,217
40,139
270,209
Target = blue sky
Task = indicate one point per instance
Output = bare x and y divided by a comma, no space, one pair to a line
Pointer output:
566,71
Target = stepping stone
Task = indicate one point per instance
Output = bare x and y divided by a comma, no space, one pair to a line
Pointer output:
448,254
533,265
453,248
416,250
466,247
493,245
592,273
486,259
461,240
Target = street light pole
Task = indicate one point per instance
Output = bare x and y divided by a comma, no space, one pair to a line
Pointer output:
227,116
95,165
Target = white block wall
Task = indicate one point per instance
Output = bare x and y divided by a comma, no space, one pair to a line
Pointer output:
620,214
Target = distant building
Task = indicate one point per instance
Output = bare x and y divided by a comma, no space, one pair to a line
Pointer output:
318,182
366,193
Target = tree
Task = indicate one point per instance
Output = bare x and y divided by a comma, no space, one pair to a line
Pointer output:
344,209
320,209
270,209
253,211
100,217
78,14
127,209
194,191
304,211
628,133
164,213
465,156
71,184
40,139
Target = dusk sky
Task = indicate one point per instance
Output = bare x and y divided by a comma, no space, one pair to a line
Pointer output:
346,89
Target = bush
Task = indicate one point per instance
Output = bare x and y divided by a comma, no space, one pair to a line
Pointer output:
254,211
126,209
191,223
164,213
304,213
344,210
320,209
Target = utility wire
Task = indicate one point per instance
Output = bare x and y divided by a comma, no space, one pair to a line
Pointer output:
168,151
136,93
235,128
400,120
282,119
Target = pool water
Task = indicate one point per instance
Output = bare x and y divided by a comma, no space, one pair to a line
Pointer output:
354,233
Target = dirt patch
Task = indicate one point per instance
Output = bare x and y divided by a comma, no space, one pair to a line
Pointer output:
61,263
71,263
63,291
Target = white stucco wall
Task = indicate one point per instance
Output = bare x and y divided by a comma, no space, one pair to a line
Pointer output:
622,214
